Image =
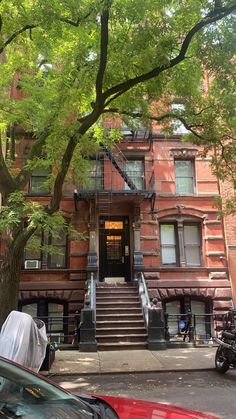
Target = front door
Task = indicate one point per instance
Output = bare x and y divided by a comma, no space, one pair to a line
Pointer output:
114,251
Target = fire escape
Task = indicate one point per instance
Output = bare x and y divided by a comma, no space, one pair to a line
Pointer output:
103,195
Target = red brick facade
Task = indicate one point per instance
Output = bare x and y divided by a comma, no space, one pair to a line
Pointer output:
142,213
145,212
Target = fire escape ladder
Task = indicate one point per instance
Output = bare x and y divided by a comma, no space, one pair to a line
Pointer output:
104,200
118,162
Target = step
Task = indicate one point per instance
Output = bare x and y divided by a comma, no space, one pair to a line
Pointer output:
118,304
114,298
121,338
116,287
117,318
121,346
109,324
120,330
119,310
117,295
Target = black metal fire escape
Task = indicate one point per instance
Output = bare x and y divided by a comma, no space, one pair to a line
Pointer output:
103,198
119,162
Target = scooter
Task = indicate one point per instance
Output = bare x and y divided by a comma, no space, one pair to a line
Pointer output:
225,357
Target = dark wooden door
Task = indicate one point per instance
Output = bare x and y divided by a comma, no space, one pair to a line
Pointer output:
114,252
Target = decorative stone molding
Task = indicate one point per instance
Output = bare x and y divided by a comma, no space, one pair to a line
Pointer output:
213,238
215,254
206,293
183,153
217,275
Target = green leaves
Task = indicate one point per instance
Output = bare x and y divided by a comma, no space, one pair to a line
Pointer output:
52,52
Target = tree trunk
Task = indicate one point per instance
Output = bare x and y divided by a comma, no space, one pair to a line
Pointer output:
9,283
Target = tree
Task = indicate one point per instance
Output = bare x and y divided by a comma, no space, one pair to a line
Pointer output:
75,62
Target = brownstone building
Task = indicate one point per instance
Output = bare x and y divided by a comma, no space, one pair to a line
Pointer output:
148,207
147,211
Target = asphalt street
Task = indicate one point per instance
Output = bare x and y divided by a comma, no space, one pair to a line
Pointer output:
207,391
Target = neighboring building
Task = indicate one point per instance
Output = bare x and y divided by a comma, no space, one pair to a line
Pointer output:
230,237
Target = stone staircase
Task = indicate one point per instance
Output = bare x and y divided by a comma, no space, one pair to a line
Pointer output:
119,318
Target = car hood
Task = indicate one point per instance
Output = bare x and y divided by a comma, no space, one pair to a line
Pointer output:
140,409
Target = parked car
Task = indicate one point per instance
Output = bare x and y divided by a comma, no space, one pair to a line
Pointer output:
25,394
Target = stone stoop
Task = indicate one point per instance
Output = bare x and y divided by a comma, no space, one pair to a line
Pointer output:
119,318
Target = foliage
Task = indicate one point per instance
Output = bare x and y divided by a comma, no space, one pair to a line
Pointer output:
74,63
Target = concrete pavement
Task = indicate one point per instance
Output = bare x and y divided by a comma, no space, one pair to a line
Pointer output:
106,362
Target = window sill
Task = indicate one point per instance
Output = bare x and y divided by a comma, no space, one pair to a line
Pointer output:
182,268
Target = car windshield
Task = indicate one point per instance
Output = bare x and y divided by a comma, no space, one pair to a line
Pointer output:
25,395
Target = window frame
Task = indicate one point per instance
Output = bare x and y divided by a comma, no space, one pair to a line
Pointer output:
33,176
136,176
59,246
181,258
176,244
96,178
192,177
185,304
46,259
198,245
42,311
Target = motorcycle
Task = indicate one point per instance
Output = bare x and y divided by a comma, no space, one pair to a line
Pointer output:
225,356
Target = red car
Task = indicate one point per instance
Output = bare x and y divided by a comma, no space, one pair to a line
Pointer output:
27,395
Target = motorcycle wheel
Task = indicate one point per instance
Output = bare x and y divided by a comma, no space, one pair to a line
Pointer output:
221,362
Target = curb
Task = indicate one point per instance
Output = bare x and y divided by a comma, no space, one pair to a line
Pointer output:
74,374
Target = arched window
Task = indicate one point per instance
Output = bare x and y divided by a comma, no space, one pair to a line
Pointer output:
177,312
52,312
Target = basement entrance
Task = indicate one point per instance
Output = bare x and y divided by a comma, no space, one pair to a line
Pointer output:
114,249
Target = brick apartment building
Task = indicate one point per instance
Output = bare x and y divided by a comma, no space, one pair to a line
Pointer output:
149,206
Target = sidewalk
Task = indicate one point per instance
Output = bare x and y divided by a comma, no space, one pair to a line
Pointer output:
107,362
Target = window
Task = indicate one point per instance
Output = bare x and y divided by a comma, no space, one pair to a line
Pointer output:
51,312
177,312
57,259
180,244
177,126
184,177
34,253
192,244
168,244
36,257
135,171
38,182
96,175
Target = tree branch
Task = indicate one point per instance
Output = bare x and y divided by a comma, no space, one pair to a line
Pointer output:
78,21
213,16
167,115
103,54
89,120
30,27
15,34
7,184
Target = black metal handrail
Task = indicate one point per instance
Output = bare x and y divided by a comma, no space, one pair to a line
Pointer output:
143,294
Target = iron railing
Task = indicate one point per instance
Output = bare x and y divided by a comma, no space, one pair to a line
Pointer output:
62,331
143,294
195,328
90,296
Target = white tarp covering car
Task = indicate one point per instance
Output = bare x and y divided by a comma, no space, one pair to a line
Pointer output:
23,340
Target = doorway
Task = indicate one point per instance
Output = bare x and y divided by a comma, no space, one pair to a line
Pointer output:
114,248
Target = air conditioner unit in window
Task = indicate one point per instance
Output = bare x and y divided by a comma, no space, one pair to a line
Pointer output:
32,264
